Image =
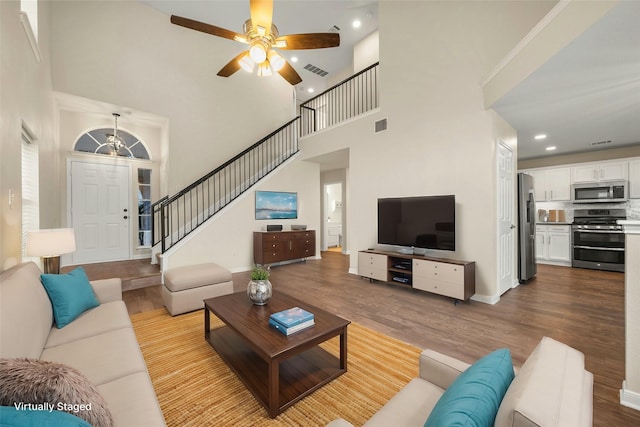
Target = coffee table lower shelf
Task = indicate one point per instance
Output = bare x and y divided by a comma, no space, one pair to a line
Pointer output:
299,375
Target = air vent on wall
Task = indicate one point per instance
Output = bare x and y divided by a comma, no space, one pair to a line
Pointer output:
608,141
315,70
380,125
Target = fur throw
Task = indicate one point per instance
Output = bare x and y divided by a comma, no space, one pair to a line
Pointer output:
33,383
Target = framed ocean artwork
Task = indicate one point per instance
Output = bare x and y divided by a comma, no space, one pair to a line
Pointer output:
276,205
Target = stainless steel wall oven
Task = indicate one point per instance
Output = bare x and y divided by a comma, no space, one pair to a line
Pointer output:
597,239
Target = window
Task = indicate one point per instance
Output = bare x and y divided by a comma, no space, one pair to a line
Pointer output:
30,186
144,207
95,141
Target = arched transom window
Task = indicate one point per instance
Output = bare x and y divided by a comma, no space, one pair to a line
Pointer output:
95,141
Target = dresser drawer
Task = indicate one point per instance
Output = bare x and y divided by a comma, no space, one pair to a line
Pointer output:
441,271
373,266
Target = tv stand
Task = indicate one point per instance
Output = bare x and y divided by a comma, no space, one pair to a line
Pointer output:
442,276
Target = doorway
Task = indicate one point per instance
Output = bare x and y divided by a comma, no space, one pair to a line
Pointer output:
333,204
100,211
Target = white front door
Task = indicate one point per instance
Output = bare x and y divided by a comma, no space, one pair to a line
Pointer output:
506,220
100,211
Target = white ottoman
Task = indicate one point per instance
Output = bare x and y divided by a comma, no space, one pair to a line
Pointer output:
185,288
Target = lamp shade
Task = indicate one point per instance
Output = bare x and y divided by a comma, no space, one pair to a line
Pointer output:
51,242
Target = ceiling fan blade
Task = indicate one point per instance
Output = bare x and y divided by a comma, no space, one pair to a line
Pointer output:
290,74
205,28
309,41
232,66
261,15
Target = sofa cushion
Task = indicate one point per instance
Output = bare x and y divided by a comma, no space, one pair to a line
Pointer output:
11,416
409,407
474,397
102,358
549,389
25,312
106,317
133,401
70,294
31,381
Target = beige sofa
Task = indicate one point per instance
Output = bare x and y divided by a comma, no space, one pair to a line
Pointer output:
551,389
100,343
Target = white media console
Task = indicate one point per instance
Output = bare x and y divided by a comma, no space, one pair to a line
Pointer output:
452,278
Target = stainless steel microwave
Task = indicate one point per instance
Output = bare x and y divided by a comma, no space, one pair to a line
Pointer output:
596,192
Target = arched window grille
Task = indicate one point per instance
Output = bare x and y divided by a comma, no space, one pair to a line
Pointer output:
95,141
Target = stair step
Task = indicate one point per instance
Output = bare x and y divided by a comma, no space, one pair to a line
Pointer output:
135,273
141,282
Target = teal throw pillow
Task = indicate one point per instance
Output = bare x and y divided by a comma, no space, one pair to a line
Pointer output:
70,294
475,396
27,417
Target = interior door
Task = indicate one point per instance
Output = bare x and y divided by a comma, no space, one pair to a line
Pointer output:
506,219
100,211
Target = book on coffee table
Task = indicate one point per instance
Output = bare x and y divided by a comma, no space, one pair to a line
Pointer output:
292,317
293,329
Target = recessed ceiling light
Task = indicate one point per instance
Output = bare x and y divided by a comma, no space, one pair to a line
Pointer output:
356,23
540,136
310,90
551,148
294,59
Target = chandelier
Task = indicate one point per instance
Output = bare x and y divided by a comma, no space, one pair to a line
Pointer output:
115,142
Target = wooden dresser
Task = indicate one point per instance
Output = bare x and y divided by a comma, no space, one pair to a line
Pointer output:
276,246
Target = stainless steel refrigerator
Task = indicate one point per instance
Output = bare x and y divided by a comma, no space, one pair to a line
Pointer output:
526,228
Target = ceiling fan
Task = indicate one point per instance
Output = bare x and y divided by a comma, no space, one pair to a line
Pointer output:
263,39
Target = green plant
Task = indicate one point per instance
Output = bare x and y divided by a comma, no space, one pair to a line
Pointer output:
260,272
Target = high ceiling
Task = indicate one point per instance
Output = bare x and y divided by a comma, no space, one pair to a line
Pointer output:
586,95
292,17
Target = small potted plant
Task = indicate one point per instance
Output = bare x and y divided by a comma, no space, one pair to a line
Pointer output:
259,288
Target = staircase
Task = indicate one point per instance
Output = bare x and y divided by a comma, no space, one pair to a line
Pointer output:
175,217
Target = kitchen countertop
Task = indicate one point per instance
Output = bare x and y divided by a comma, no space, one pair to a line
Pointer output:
553,223
631,226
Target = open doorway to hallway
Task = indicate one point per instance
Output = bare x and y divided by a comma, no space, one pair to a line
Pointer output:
334,211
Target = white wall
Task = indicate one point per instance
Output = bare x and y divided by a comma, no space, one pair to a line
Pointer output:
128,54
440,138
26,95
367,52
227,239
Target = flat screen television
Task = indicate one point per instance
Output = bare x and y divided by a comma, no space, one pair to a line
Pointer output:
427,222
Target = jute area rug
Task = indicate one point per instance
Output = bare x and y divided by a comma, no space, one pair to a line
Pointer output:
196,388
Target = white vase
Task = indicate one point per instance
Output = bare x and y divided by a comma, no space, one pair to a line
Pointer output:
259,291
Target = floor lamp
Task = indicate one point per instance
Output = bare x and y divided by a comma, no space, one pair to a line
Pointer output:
49,245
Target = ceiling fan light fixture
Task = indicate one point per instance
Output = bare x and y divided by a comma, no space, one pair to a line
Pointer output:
276,60
241,39
281,44
264,70
258,52
246,63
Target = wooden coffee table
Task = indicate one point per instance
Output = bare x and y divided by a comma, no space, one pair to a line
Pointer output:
279,370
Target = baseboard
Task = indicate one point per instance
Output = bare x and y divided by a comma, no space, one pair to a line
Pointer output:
491,299
353,271
628,398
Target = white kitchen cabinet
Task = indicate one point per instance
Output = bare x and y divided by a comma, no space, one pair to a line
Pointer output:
601,171
551,185
553,244
634,179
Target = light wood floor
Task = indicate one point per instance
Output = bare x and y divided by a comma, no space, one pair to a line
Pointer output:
583,308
